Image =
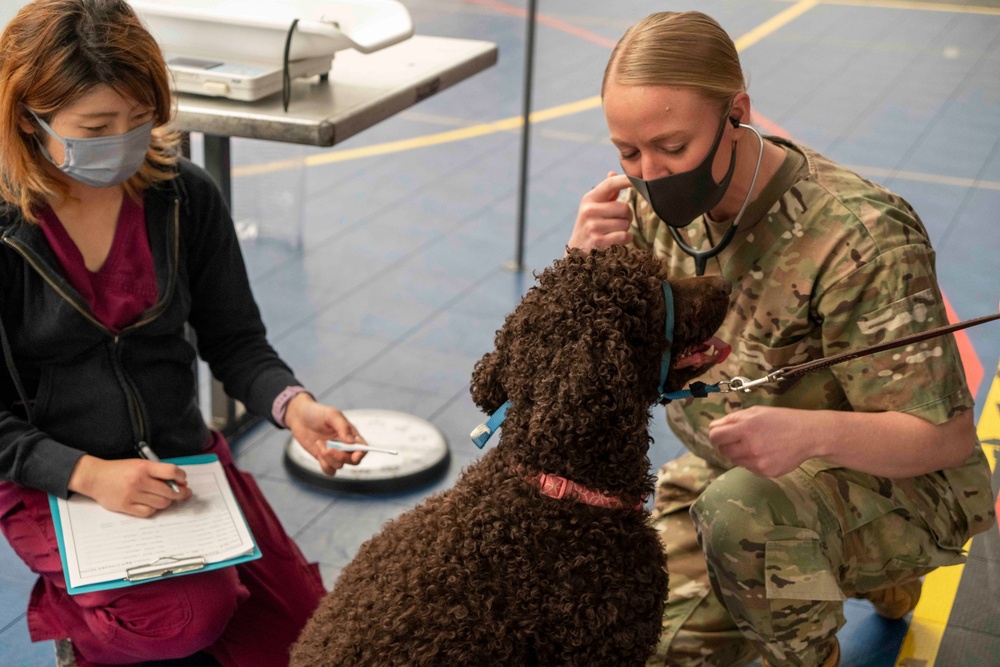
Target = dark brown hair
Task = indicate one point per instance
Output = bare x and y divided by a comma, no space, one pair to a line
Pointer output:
52,53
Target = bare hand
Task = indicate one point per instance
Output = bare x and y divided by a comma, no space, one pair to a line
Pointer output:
131,486
313,424
766,441
602,220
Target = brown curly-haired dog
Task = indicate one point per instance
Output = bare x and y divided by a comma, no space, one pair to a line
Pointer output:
493,572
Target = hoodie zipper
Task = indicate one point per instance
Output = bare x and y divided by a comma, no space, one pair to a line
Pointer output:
48,276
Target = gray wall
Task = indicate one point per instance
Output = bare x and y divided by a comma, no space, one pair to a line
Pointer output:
8,8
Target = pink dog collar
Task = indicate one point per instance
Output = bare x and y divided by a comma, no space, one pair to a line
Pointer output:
558,487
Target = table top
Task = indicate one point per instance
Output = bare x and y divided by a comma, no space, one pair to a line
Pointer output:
362,90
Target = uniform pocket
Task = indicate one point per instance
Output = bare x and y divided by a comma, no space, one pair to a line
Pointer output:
800,589
974,493
902,317
799,570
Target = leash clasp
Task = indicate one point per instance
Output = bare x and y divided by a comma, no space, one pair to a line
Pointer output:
740,383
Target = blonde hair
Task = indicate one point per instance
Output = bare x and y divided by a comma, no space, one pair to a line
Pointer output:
679,50
52,53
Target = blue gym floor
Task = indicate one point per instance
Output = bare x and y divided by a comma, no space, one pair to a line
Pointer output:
400,282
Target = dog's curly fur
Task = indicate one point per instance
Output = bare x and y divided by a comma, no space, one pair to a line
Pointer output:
491,572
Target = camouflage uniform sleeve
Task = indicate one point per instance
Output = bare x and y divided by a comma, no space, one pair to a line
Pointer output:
892,295
643,232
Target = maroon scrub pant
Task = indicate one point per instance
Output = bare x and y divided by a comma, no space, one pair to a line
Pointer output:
245,615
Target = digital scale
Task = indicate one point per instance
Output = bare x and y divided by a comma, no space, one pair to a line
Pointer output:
237,80
422,455
238,49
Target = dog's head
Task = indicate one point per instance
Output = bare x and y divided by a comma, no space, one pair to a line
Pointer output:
580,356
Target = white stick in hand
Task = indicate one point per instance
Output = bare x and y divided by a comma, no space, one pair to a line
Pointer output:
344,447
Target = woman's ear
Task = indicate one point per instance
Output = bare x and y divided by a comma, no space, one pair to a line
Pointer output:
26,119
25,122
487,391
740,111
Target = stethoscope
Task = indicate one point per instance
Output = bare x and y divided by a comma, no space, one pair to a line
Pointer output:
701,257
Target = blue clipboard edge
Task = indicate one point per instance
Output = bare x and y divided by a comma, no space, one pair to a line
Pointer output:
123,583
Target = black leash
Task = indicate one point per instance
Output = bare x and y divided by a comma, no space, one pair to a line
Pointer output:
740,383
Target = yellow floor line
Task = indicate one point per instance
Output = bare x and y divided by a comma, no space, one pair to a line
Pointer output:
919,6
514,123
749,39
506,124
930,618
882,173
774,23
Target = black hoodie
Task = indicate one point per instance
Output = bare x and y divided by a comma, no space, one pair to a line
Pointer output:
93,391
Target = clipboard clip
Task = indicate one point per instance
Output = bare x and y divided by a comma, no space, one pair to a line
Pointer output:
161,567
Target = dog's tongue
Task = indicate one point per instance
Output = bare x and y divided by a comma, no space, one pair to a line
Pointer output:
722,349
713,351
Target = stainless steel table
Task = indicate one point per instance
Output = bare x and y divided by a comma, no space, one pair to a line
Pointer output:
359,91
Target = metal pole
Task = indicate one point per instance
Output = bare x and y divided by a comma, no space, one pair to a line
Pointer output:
218,163
522,192
228,415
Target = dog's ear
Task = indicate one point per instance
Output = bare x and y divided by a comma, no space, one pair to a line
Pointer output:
487,391
698,310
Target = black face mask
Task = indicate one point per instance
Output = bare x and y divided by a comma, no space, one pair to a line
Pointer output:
680,198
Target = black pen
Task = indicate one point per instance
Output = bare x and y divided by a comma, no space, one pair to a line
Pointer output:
150,455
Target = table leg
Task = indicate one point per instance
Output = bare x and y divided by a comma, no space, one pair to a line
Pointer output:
227,415
218,163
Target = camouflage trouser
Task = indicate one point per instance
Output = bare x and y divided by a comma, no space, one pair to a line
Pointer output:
762,566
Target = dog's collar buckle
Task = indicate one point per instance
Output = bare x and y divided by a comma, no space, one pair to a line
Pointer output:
553,486
559,488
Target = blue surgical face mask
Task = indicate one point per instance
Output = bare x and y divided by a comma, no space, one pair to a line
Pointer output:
101,162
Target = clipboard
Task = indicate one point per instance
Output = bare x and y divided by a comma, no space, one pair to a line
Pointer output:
164,567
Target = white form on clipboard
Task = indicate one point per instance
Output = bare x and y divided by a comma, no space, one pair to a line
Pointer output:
103,549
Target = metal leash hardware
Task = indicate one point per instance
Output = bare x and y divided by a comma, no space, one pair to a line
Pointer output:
740,383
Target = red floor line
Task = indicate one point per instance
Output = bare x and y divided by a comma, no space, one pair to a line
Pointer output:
970,360
769,127
547,20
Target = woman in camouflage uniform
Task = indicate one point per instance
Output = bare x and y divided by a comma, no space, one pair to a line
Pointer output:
853,481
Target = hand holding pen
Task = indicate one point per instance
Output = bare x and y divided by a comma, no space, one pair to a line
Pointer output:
132,486
147,453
